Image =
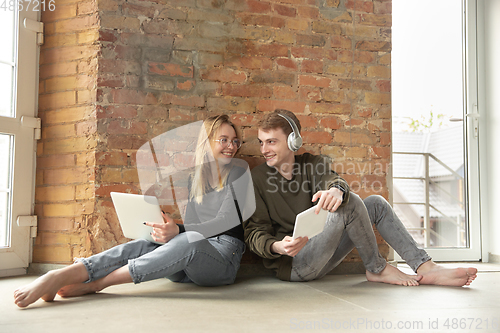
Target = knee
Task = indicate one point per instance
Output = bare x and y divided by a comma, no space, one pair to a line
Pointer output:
375,200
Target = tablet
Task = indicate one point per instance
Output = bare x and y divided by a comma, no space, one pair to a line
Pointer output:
133,210
310,224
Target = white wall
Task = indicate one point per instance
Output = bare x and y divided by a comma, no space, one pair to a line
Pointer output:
489,109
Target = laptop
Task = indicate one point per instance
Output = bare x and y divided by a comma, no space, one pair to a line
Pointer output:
309,224
133,210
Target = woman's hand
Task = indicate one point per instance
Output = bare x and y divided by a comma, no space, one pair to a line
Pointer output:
163,232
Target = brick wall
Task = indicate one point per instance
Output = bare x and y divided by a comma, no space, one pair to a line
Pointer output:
114,74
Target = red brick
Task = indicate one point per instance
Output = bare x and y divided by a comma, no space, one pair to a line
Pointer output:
127,96
308,53
331,122
251,62
359,6
364,57
107,36
384,85
316,137
310,94
382,7
316,81
125,142
312,66
176,114
113,111
170,69
127,127
284,92
355,84
194,101
354,123
310,40
386,125
254,6
285,10
111,81
345,56
269,50
308,12
224,75
375,20
341,42
307,121
348,138
330,108
299,24
286,64
271,105
186,85
244,119
136,10
270,77
363,111
120,67
333,95
263,20
385,138
154,111
247,90
111,158
377,98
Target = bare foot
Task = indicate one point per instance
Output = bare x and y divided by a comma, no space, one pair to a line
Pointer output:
78,289
45,287
392,275
439,275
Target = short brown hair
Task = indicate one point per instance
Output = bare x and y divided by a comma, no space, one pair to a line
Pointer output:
272,120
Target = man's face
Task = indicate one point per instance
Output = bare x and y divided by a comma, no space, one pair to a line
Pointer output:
274,147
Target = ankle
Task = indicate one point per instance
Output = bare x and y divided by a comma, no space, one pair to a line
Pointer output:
426,267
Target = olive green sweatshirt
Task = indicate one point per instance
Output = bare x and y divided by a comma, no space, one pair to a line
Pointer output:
278,201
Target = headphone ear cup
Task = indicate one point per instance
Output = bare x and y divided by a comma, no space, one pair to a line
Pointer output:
294,143
290,139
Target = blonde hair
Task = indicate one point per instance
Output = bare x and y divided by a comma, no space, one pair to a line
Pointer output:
204,158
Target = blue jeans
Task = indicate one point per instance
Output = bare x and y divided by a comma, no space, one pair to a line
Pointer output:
206,262
349,227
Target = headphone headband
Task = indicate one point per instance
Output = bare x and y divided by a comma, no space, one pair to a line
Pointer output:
294,139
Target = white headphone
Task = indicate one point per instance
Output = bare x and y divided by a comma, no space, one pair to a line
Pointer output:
294,139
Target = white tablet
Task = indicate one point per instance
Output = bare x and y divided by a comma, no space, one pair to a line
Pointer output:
133,210
310,224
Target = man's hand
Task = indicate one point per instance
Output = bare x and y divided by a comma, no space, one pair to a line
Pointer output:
163,232
329,200
289,246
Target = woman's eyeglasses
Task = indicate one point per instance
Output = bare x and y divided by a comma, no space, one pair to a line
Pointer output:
224,142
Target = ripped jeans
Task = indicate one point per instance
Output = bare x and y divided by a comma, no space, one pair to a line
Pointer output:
206,262
349,227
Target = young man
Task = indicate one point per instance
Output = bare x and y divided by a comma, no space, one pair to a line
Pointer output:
287,184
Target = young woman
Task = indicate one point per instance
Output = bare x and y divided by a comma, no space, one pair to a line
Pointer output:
206,250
